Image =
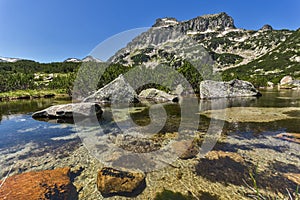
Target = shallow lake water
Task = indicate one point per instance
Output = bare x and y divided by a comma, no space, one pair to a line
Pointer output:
250,128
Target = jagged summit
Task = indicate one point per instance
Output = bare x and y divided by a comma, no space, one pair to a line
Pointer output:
219,21
171,41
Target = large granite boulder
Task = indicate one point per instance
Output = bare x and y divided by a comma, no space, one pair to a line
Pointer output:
69,110
48,184
117,91
288,82
115,182
234,88
157,95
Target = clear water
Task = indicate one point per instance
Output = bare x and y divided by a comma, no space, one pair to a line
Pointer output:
21,136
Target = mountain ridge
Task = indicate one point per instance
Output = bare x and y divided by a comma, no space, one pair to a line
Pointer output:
229,47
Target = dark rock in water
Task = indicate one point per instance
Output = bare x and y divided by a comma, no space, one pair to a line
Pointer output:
234,88
48,184
117,91
137,144
66,111
157,95
112,182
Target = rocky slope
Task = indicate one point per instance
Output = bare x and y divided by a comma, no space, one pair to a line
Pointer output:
170,41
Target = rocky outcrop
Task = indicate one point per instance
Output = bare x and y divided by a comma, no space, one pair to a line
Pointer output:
48,184
234,88
218,21
115,182
157,95
117,91
267,27
69,110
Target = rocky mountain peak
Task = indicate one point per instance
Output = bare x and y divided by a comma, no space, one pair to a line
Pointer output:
164,22
218,21
267,27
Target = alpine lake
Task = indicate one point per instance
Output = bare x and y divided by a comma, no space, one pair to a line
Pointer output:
257,151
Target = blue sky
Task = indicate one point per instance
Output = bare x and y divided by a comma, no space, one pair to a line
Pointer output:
54,30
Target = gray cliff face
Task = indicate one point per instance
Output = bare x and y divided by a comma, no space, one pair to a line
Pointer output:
208,22
209,37
169,29
202,23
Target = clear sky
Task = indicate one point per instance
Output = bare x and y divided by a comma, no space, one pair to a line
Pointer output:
54,30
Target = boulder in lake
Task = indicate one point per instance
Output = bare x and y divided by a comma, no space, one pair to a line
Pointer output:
117,91
48,184
288,82
157,95
234,88
116,182
69,110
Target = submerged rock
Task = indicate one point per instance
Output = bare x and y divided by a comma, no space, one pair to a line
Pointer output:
294,177
157,95
115,182
292,137
69,110
234,88
48,184
117,91
186,149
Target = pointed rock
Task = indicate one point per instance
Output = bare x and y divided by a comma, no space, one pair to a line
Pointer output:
117,91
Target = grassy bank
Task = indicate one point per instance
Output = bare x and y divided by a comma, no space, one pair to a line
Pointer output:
31,94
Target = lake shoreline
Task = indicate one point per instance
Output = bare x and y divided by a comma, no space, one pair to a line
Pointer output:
31,94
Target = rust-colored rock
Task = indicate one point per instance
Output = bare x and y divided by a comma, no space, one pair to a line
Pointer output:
293,177
215,155
115,182
292,137
48,184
